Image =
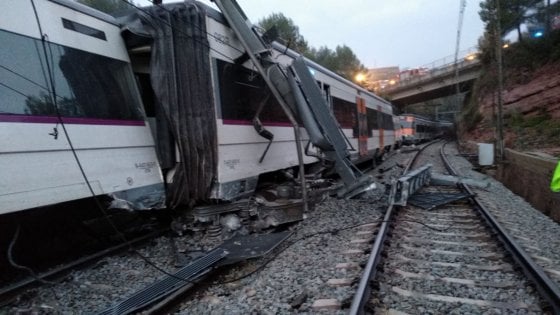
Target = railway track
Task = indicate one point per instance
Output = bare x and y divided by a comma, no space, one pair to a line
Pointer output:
443,260
452,259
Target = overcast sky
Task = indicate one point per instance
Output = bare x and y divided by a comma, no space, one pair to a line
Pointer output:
405,33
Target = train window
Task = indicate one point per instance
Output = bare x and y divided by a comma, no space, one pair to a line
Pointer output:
372,119
87,85
405,124
95,86
241,93
22,81
345,112
84,29
388,122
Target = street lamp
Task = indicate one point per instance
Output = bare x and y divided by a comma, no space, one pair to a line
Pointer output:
360,77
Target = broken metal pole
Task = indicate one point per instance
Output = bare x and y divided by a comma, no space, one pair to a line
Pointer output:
449,180
408,184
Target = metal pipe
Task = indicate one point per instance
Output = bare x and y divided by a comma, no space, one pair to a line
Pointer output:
499,123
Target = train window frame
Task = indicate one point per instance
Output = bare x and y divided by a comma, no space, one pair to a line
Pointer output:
241,91
88,85
83,29
345,112
372,120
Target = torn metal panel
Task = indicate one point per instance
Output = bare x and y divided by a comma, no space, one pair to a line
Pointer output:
234,189
449,180
167,285
431,201
410,183
280,212
183,91
251,246
142,198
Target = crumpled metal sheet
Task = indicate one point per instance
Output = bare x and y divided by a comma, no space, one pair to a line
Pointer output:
433,200
180,75
143,198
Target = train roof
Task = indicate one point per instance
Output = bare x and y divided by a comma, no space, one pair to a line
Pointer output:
217,15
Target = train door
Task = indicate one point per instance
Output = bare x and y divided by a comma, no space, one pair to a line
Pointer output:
381,124
362,126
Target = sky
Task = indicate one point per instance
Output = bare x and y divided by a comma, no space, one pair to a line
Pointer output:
404,33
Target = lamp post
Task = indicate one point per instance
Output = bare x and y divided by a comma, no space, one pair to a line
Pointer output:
499,47
360,78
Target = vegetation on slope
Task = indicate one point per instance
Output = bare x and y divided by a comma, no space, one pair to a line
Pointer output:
531,58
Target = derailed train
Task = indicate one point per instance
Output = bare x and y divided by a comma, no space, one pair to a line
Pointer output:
159,108
415,129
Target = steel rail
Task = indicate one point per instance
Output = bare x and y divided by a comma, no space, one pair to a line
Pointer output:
364,287
8,292
546,286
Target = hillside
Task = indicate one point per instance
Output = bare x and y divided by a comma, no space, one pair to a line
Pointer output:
531,100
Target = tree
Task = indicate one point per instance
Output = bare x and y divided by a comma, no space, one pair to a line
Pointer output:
347,63
512,14
287,30
342,60
325,57
107,6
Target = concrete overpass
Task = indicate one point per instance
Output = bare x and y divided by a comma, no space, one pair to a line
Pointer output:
438,82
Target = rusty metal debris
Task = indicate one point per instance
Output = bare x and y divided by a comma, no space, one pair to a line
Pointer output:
430,201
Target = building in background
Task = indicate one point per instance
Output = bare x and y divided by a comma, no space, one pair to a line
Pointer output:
379,78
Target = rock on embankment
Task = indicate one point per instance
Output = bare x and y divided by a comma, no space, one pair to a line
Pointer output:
535,94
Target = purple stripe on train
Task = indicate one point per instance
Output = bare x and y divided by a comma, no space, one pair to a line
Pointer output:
68,120
250,123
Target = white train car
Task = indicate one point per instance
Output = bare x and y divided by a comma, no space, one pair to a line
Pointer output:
417,129
204,96
365,119
68,100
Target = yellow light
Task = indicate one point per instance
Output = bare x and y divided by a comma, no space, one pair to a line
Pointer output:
505,46
470,57
360,77
392,82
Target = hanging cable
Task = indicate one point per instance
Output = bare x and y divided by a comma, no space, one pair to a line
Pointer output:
50,75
